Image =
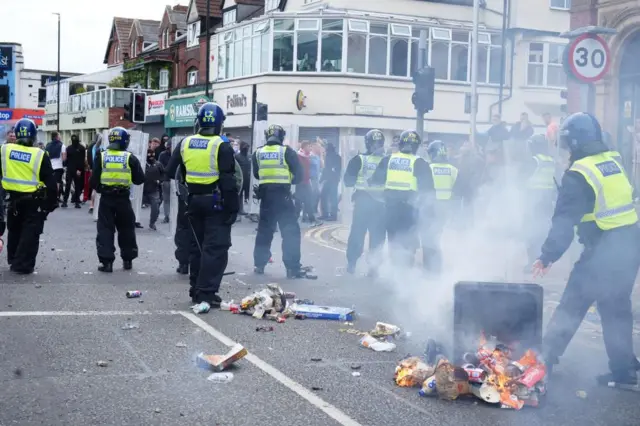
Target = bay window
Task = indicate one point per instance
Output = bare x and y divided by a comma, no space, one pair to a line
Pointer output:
459,57
307,45
229,17
331,45
357,46
378,43
439,60
283,31
399,50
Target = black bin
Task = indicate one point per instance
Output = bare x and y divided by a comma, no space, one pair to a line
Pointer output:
510,311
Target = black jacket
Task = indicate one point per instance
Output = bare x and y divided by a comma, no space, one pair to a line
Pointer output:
153,175
575,199
164,158
244,161
48,178
76,157
137,174
332,171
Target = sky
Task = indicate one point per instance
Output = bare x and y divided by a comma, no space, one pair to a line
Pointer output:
85,28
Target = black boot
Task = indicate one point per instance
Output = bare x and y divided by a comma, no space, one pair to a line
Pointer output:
106,267
619,379
183,269
258,270
351,268
78,206
64,204
127,265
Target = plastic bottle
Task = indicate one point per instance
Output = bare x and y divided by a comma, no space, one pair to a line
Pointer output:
220,377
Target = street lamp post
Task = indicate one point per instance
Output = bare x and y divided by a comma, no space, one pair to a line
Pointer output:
474,71
208,47
58,79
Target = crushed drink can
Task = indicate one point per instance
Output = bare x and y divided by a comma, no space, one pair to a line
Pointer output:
133,293
280,320
428,387
476,375
289,295
300,316
533,375
234,308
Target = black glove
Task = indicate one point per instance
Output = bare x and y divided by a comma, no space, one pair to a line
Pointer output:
230,202
231,218
3,226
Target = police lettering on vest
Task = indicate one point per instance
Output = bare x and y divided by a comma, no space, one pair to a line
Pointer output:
444,178
543,176
272,167
400,175
21,168
367,169
614,206
115,169
200,158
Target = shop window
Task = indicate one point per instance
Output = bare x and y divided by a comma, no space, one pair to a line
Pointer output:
307,45
331,54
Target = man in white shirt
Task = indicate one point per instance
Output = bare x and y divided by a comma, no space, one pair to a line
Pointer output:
58,155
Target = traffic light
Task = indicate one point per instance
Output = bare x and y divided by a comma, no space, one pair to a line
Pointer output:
128,109
262,112
139,107
424,80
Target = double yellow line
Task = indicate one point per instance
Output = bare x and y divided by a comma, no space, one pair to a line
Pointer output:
315,235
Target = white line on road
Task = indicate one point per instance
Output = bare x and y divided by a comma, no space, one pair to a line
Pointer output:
305,393
80,313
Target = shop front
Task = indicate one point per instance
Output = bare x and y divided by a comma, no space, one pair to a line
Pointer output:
236,103
9,117
181,113
85,124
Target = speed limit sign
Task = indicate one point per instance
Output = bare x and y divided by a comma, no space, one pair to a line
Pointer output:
588,58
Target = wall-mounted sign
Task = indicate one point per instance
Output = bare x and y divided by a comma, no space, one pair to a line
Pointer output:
301,100
155,104
182,112
6,58
236,101
368,110
79,120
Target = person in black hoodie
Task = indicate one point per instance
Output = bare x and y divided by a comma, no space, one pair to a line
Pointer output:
163,159
162,147
330,179
58,155
76,157
244,161
153,175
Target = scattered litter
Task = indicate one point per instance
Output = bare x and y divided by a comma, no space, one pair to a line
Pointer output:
38,286
300,316
264,329
133,294
356,366
157,411
316,359
181,345
142,273
221,362
323,312
384,330
84,370
371,342
355,374
220,377
352,331
17,372
316,388
348,323
490,374
303,301
102,363
130,326
581,394
88,273
201,308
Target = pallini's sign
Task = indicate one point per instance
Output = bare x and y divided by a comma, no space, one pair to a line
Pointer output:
236,101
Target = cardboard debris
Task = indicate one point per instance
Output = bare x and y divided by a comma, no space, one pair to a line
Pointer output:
412,372
323,312
221,362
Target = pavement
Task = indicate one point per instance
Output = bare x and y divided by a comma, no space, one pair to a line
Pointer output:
58,323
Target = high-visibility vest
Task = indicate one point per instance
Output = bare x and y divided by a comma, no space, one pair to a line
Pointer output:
21,168
272,167
444,178
614,200
400,175
115,168
200,157
367,168
542,177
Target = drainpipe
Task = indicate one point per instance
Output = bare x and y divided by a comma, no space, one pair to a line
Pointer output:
505,4
505,24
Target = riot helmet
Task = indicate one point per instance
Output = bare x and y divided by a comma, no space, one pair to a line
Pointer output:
409,142
275,133
437,151
581,133
26,132
210,117
374,141
120,137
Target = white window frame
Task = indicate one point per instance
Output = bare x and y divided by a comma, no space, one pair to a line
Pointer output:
354,22
484,38
400,30
566,5
261,27
192,75
163,79
229,17
132,50
193,32
545,64
441,34
314,27
270,5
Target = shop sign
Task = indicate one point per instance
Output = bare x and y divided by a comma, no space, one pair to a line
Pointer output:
236,100
182,112
6,58
18,113
79,120
155,104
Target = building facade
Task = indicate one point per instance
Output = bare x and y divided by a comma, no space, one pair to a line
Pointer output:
337,68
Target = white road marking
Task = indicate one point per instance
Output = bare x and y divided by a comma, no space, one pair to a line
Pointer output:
81,313
305,393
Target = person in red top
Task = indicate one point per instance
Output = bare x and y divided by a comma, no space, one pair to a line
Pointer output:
304,193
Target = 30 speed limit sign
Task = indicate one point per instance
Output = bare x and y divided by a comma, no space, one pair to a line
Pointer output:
588,58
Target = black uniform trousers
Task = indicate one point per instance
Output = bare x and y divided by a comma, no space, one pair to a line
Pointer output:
401,220
277,210
78,185
604,274
25,223
435,219
183,238
368,216
537,221
116,214
214,239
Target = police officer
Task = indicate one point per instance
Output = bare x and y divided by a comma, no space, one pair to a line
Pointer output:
28,179
114,171
208,164
595,196
540,194
445,176
408,184
183,237
368,210
277,167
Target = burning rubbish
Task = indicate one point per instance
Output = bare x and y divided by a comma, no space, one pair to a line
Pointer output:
489,374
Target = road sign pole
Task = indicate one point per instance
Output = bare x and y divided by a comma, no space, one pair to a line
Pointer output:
422,59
